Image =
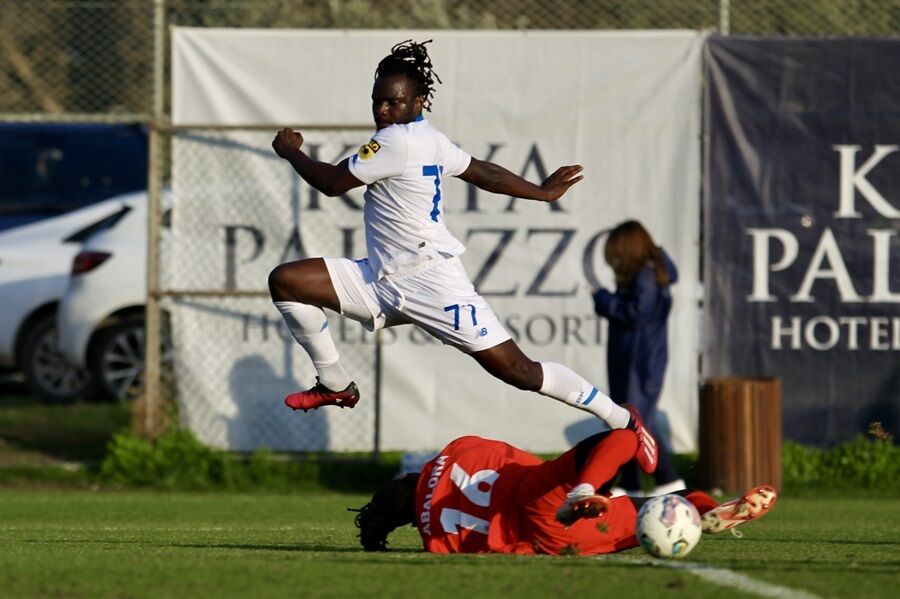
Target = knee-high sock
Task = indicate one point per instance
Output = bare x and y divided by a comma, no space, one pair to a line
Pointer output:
563,384
605,459
309,327
701,501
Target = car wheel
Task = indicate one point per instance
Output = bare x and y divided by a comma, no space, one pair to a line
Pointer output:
117,359
48,374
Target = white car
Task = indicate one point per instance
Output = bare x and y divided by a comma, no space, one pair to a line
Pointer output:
101,315
35,261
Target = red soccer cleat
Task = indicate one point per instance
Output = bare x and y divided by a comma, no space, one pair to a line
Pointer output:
753,504
320,395
647,454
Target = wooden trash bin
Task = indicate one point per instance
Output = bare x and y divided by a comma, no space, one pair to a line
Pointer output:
740,433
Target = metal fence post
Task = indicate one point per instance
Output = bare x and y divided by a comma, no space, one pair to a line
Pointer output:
149,424
376,440
724,16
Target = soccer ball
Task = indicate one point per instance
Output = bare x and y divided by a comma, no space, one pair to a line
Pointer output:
668,526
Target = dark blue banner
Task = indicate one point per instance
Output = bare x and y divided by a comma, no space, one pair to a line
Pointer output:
802,226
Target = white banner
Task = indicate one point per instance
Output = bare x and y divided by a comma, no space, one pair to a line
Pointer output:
626,105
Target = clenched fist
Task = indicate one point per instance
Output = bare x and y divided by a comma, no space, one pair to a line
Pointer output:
286,141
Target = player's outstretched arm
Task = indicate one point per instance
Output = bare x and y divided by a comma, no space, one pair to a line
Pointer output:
330,179
494,178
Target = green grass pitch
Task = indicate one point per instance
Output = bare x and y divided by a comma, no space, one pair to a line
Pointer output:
128,544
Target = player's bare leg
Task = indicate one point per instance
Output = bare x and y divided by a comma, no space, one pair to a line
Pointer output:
304,281
508,363
300,291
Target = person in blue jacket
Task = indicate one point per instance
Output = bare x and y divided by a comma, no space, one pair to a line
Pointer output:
637,351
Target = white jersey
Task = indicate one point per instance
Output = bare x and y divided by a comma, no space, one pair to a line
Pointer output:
403,167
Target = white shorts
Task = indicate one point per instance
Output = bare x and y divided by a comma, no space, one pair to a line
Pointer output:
436,295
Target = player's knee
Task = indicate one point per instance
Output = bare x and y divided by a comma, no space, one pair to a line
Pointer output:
277,282
294,282
287,284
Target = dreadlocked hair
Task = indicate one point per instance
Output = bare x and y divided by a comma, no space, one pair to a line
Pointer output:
392,506
411,59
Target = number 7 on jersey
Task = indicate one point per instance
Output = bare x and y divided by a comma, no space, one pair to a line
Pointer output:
433,170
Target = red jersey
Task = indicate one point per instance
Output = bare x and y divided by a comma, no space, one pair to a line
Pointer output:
463,492
480,496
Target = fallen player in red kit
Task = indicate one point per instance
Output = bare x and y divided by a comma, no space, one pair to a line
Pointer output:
480,496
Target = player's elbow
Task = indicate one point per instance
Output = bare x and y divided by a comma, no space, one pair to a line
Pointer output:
330,189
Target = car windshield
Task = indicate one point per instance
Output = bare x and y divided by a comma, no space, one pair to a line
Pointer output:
47,169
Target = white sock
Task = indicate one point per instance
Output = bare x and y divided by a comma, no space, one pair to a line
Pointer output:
309,327
563,384
580,491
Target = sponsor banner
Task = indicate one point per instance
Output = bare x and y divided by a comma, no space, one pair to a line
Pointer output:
625,105
802,205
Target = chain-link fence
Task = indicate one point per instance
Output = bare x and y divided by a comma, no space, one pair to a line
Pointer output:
238,212
93,59
76,61
107,61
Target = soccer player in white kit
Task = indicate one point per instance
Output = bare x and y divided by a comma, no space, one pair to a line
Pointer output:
413,273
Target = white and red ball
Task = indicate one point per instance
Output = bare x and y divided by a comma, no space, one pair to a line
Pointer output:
668,526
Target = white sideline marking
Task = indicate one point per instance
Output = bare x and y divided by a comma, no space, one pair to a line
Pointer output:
726,578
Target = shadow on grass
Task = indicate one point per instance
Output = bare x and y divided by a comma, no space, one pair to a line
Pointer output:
290,548
409,553
590,561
